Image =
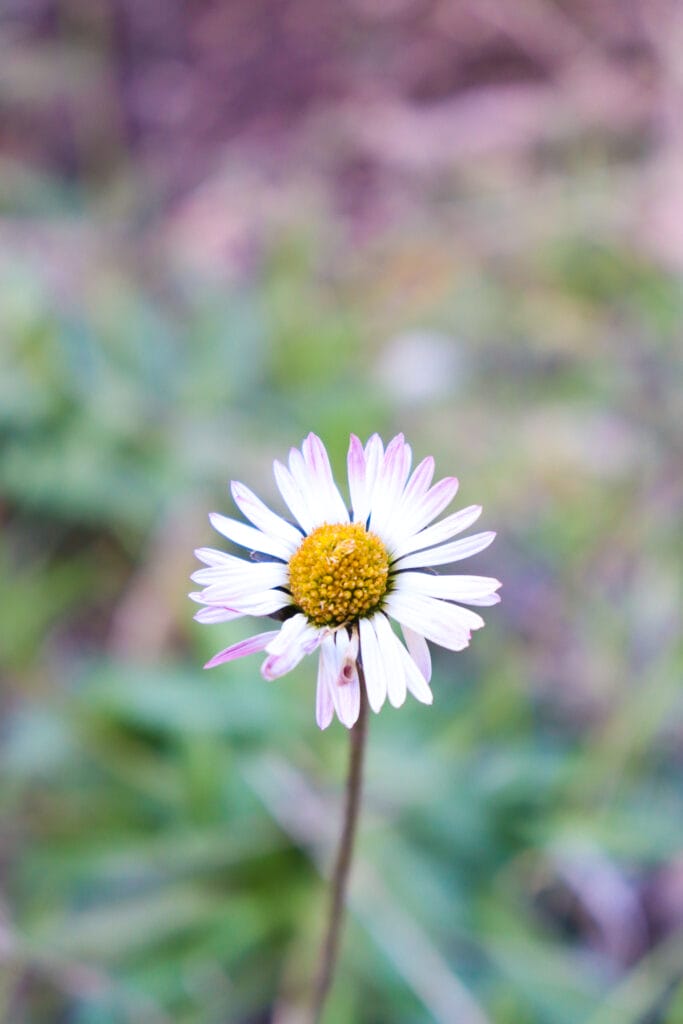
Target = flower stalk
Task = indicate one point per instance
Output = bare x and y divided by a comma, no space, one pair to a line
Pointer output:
330,947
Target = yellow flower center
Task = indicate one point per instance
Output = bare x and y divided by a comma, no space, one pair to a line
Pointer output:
339,574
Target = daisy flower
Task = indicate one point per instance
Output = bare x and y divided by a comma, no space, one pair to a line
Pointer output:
335,577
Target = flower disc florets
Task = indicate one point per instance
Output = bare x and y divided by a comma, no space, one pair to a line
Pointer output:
339,574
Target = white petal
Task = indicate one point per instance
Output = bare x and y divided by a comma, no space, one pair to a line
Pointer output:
294,499
239,650
264,518
346,691
447,553
373,665
448,588
246,576
348,699
346,646
439,532
277,665
416,682
393,663
264,603
209,575
436,620
418,650
484,602
328,665
212,557
248,537
324,705
294,641
214,613
320,475
232,591
291,632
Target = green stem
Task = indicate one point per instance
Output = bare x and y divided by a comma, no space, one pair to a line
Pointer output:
330,947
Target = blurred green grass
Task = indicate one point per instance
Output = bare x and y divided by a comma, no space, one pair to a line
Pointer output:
151,830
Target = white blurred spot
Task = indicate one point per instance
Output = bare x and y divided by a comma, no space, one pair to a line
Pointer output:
419,366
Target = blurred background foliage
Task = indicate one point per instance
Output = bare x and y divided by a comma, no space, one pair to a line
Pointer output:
223,225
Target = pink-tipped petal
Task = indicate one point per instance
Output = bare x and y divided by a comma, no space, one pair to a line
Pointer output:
355,462
431,505
445,554
418,485
374,455
250,646
418,650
